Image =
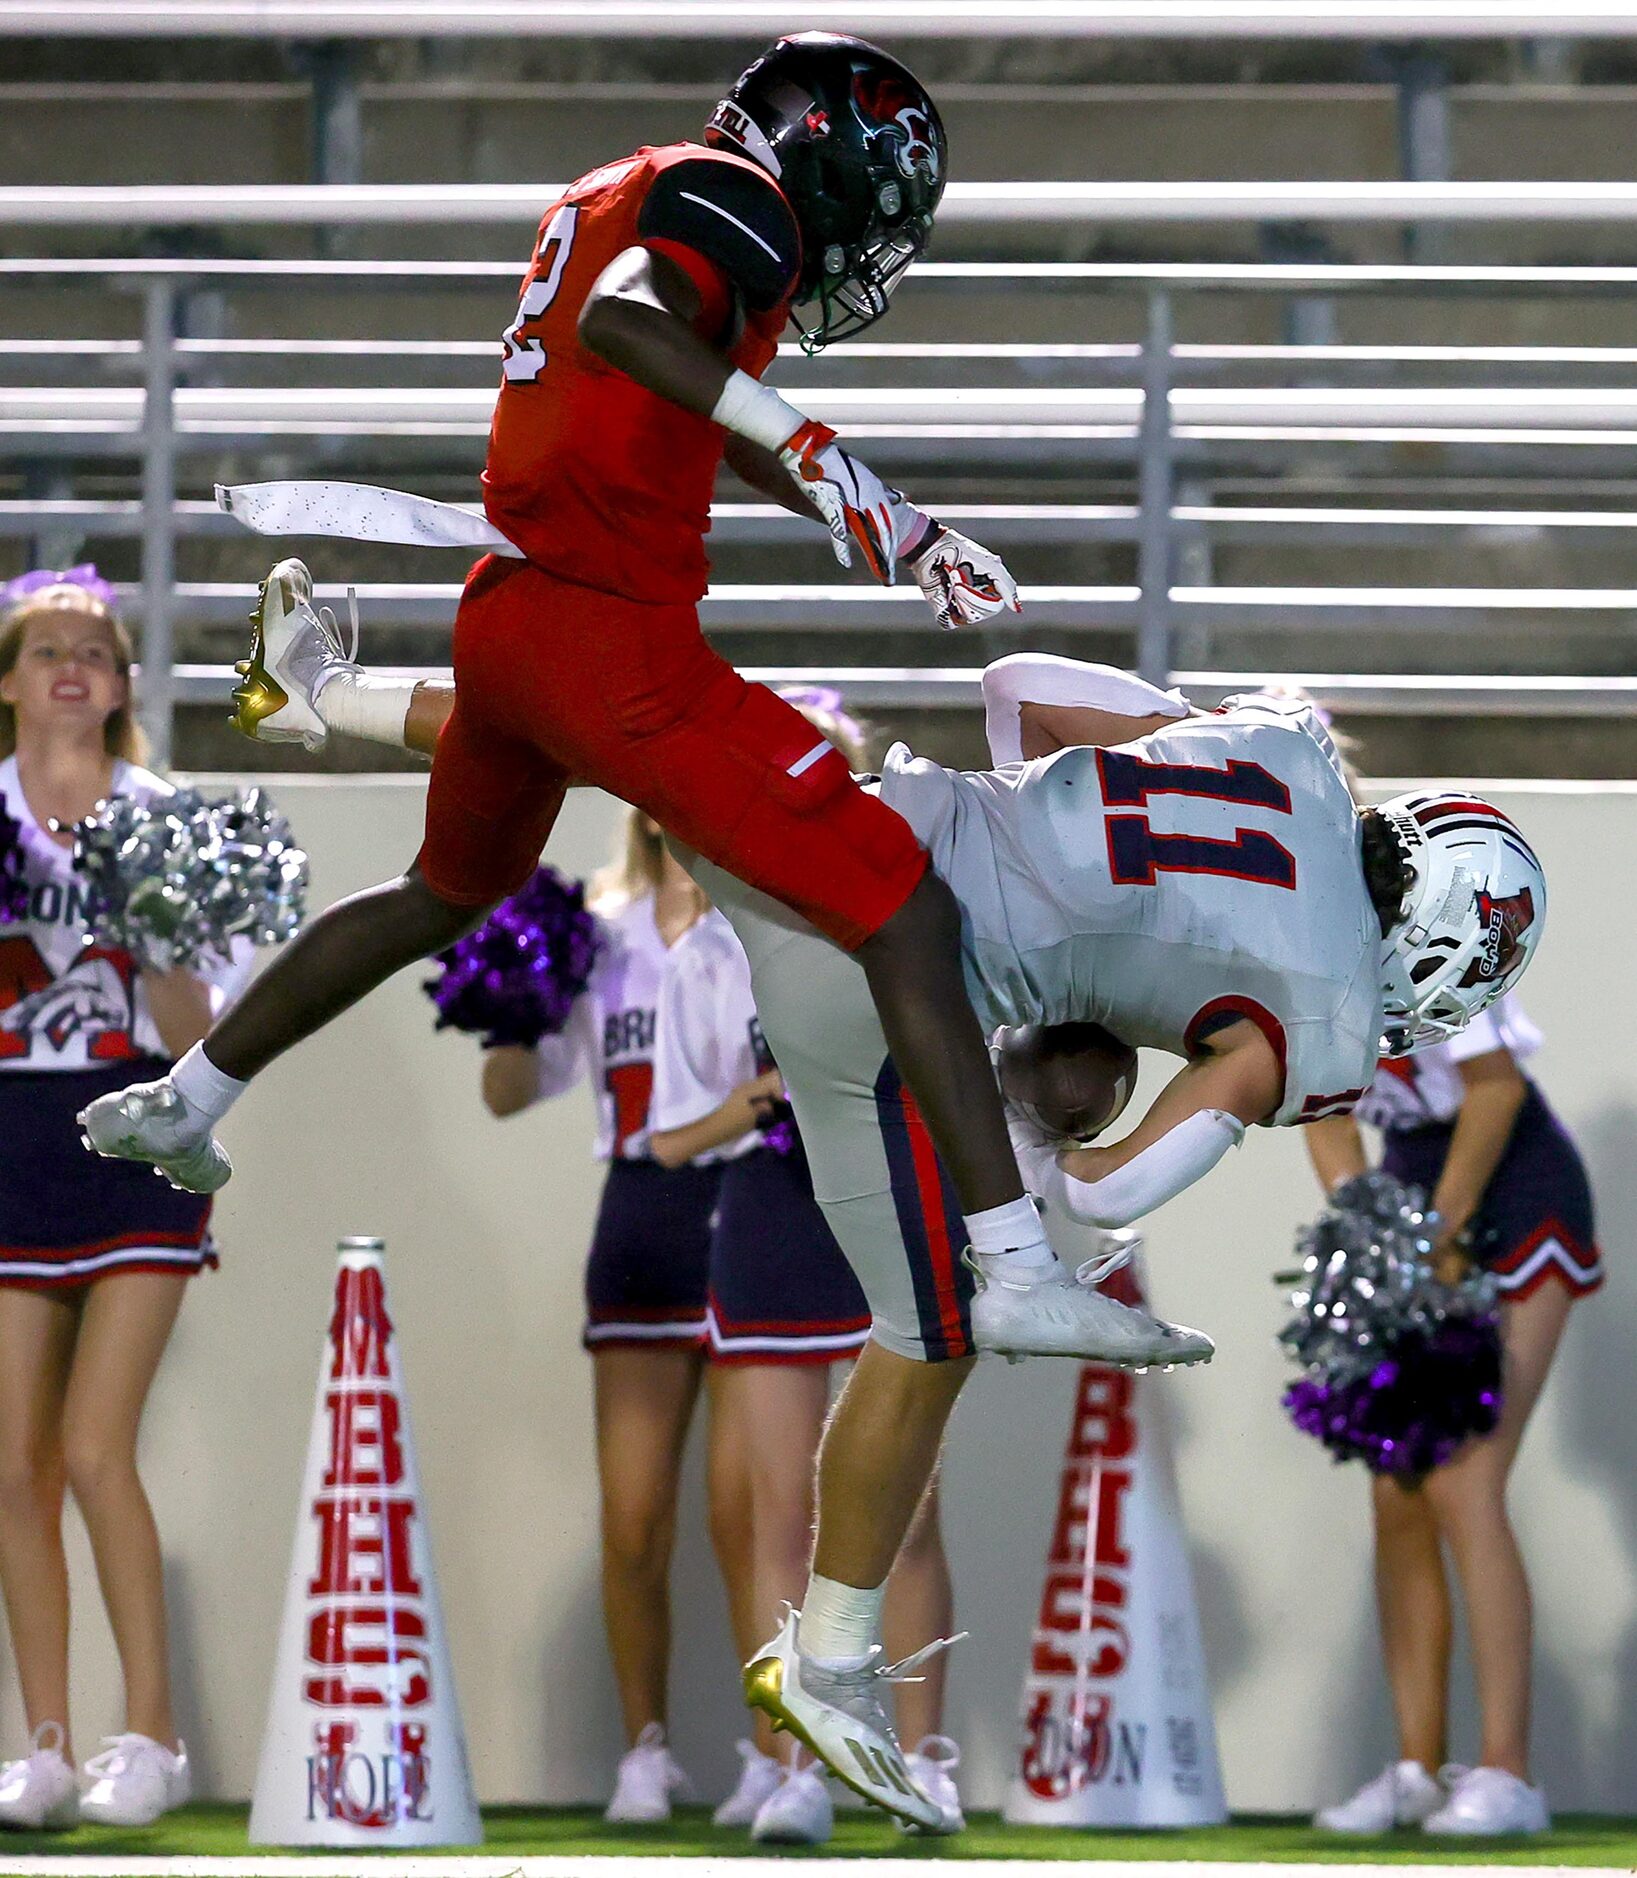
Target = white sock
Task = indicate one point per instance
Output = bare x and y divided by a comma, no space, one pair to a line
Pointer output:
1012,1238
204,1087
358,705
840,1623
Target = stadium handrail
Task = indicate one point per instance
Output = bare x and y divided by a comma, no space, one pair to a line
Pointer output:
751,19
971,204
1136,277
1200,410
765,606
875,687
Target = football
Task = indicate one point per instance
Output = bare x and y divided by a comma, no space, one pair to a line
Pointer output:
1071,1080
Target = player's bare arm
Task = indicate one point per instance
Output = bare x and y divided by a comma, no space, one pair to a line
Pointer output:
639,317
1048,728
1233,1081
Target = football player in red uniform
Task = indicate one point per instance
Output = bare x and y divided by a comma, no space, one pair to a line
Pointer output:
656,294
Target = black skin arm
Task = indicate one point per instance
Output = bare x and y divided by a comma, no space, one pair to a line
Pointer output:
639,317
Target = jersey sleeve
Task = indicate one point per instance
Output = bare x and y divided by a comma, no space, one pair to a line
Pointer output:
733,217
1045,678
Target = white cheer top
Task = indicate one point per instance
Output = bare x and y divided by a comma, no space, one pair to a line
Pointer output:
65,1005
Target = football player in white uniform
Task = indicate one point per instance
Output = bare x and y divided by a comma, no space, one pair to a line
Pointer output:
1199,883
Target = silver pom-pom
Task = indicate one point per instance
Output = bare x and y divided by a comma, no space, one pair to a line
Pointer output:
1367,1281
176,880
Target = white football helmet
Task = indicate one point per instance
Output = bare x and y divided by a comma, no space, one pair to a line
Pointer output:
1470,922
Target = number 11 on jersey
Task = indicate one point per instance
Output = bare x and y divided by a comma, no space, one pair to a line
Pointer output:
1136,854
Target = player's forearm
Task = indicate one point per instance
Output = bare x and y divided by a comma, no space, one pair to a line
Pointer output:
1037,702
761,470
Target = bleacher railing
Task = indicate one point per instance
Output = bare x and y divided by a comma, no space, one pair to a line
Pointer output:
1396,20
1150,419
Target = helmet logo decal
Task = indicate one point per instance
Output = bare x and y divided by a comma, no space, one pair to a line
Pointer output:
885,102
818,122
1505,921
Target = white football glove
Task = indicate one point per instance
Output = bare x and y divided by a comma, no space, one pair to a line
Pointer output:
963,582
855,503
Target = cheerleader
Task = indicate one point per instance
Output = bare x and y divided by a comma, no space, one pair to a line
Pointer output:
783,1309
645,1279
1463,1122
94,1255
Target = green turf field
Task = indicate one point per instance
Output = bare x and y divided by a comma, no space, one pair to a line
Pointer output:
1579,1839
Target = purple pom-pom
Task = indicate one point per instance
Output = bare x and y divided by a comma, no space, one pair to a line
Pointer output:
1416,1407
1401,1368
516,978
776,1124
13,861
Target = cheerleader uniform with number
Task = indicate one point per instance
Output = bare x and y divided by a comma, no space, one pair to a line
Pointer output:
74,1025
781,1290
650,1250
1534,1224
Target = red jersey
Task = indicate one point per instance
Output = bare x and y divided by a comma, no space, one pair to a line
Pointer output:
598,481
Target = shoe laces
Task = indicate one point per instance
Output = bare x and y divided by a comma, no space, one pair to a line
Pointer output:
1091,1272
345,650
940,1751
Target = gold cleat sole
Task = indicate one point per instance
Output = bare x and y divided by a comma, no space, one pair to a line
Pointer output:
764,1690
259,694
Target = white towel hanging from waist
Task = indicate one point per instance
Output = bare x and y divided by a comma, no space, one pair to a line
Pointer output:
359,512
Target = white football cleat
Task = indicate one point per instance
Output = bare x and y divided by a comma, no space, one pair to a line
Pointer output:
134,1781
840,1715
799,1811
760,1776
647,1781
152,1121
1400,1795
1062,1313
932,1765
295,650
40,1793
1487,1802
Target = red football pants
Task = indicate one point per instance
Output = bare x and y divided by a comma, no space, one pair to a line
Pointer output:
555,681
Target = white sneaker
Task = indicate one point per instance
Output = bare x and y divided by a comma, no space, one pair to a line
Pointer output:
1485,1802
647,1781
759,1777
133,1781
40,1793
932,1766
1064,1314
152,1121
840,1715
1400,1795
293,653
799,1811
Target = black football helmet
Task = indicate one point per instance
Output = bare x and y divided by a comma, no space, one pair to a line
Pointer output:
858,149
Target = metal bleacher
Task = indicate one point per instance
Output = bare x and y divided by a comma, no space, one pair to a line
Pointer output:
1208,508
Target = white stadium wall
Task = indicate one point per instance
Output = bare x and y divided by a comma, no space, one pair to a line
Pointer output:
377,1128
